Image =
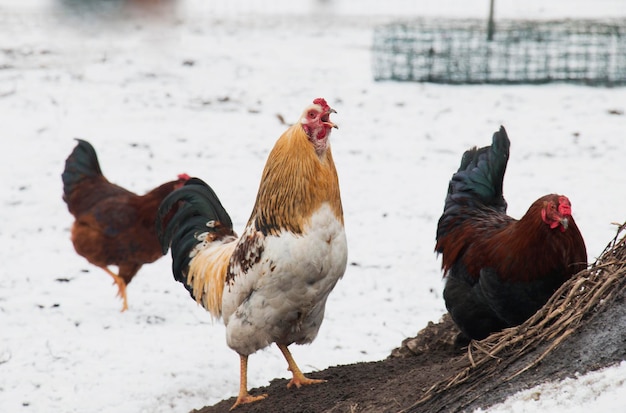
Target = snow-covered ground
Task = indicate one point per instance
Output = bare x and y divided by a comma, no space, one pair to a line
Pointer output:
195,86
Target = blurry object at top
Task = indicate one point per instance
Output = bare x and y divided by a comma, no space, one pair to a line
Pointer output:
118,8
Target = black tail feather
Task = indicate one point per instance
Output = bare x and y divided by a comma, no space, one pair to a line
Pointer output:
182,216
477,183
82,163
481,174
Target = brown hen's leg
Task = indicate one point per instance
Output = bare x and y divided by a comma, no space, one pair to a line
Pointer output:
298,378
121,287
245,397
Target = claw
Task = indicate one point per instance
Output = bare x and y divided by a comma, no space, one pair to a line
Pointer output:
247,398
244,397
298,379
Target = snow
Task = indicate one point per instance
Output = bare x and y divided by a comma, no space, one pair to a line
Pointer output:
601,390
196,87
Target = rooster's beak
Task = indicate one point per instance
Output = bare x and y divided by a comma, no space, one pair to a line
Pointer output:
329,123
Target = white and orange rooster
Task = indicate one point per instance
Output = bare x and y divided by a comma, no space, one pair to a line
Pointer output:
271,284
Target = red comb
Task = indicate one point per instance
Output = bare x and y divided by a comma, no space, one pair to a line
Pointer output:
184,177
322,103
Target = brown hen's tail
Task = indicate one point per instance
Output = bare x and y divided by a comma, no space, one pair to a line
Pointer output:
82,163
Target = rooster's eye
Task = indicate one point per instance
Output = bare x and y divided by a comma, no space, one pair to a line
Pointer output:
311,114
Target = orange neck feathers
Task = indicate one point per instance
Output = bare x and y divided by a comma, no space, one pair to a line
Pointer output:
295,183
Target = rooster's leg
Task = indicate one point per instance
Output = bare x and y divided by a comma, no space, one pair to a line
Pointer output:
121,287
298,378
245,397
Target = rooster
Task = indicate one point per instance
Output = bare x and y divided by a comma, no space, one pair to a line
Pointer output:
269,285
499,271
112,226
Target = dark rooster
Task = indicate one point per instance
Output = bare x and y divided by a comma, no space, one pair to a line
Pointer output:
269,285
499,270
112,226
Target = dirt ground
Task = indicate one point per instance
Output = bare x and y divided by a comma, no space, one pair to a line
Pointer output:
396,383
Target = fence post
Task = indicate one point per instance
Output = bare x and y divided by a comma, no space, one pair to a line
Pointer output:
490,24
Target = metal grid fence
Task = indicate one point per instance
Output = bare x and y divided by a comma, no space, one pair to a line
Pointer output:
457,52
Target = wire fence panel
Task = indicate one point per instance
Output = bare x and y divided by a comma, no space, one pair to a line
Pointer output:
457,52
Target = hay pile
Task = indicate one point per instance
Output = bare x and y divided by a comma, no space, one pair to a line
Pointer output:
573,305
